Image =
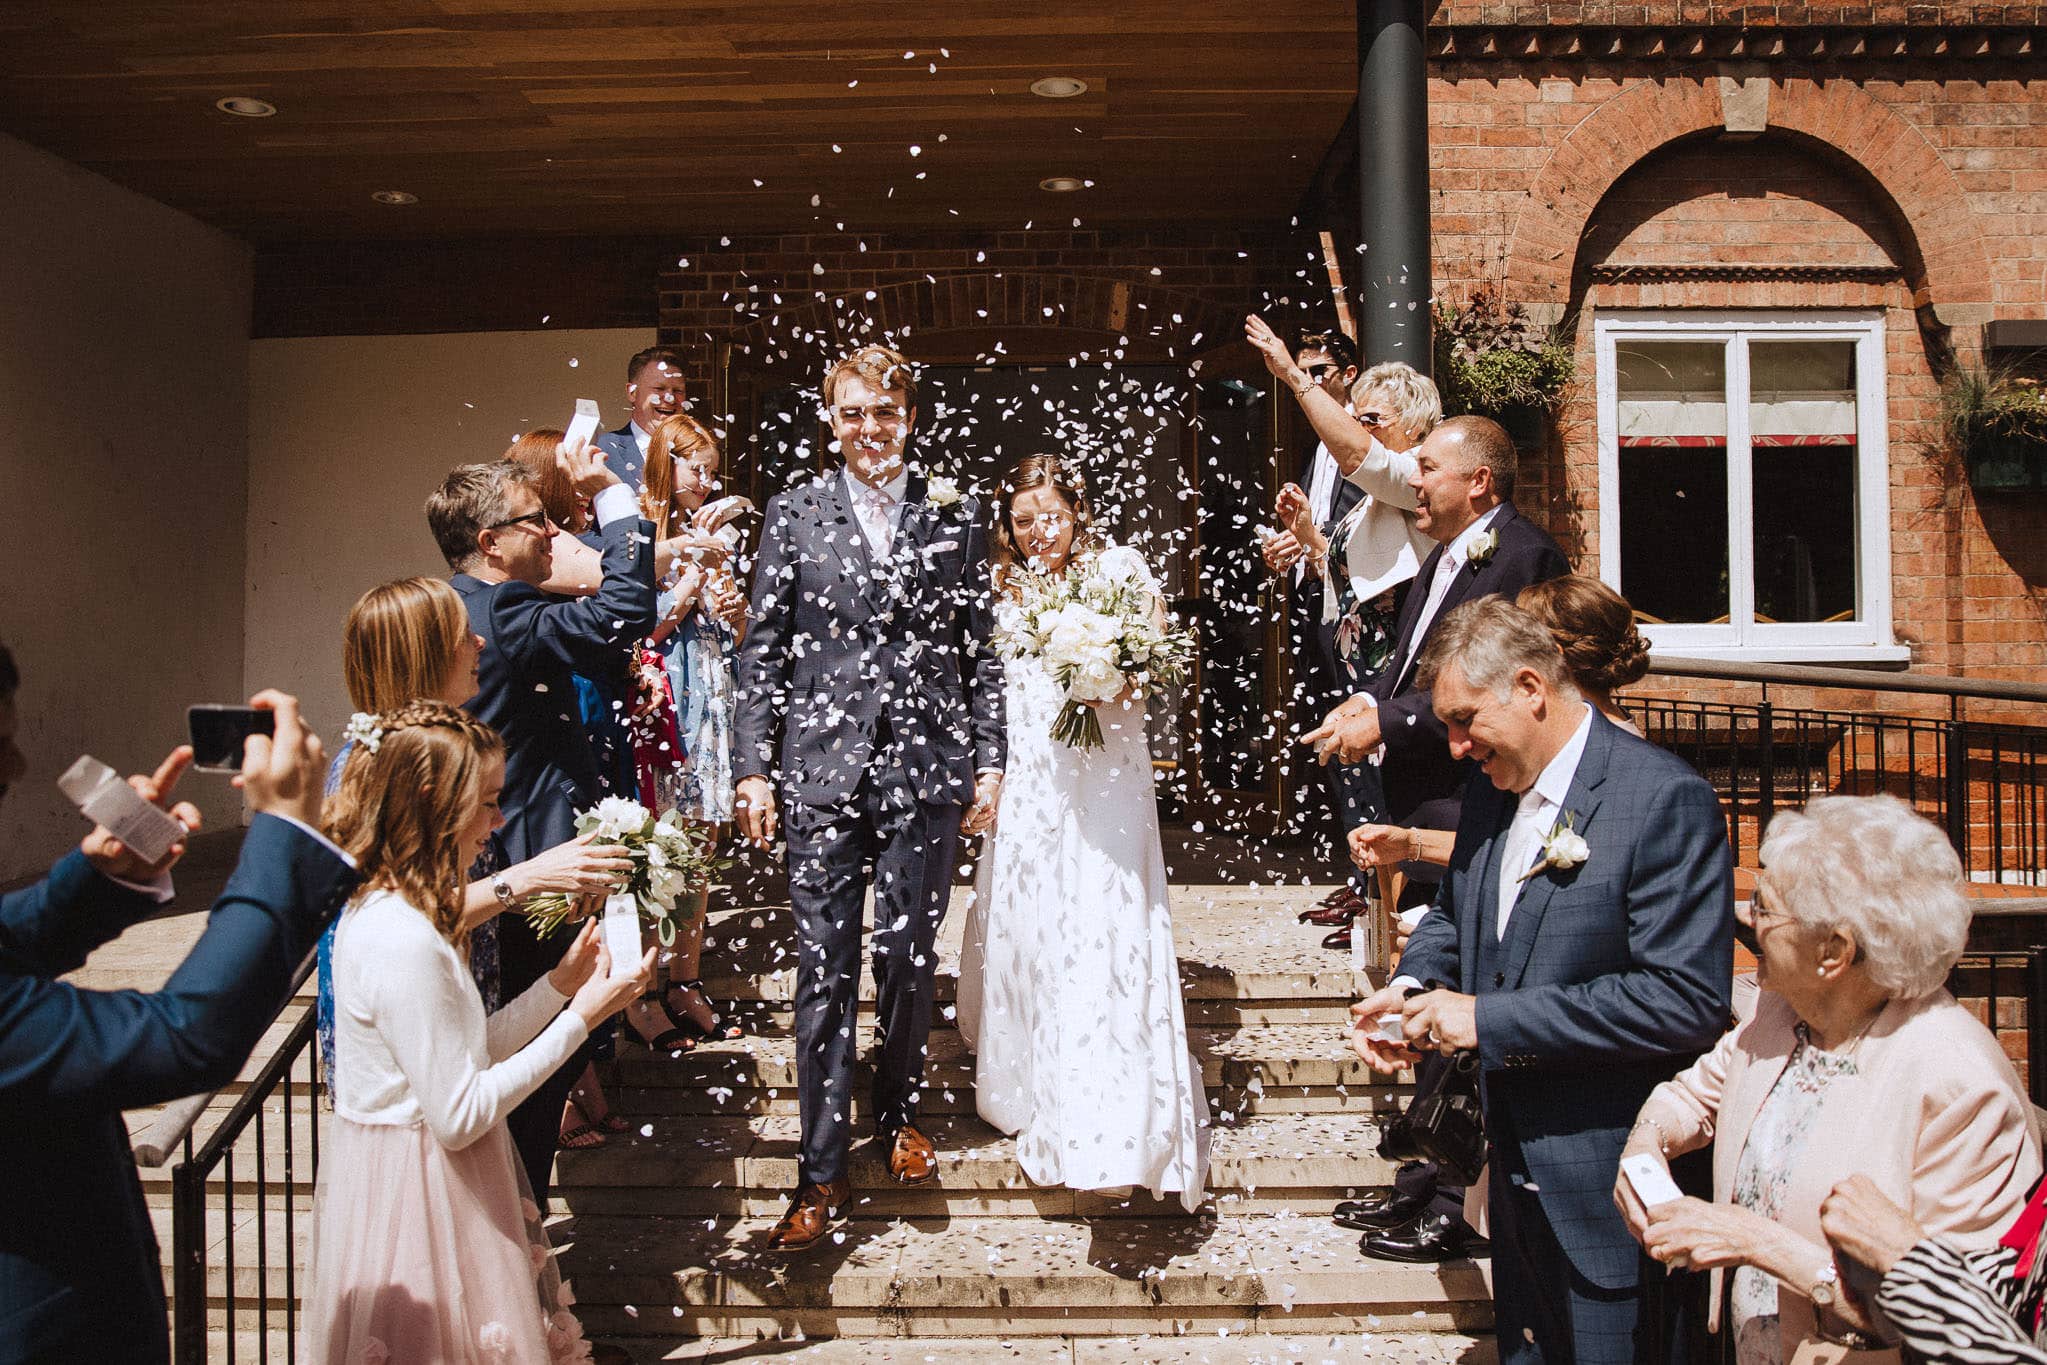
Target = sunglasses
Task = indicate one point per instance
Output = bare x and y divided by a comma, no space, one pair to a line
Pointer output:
537,520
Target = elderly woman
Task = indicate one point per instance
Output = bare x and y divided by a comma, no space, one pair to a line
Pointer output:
1856,1061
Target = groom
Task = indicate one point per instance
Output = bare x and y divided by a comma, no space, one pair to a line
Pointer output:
869,691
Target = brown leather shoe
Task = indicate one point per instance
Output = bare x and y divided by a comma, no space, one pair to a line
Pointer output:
810,1215
912,1160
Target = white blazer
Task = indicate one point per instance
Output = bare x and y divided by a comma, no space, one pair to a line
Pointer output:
1381,547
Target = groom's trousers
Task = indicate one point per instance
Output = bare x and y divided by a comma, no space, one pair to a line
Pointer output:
905,850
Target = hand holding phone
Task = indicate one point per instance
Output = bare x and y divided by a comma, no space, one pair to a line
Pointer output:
1650,1180
220,733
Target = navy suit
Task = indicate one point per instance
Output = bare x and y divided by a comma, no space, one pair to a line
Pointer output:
533,644
1423,783
80,1277
1613,976
872,693
622,456
1322,679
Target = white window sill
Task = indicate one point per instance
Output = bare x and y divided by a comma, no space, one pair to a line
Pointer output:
1837,656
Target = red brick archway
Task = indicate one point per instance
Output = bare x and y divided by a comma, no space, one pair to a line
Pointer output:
1953,267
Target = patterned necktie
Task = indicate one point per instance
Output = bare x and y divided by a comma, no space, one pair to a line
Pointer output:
878,512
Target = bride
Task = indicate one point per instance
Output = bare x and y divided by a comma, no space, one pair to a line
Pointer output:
1069,986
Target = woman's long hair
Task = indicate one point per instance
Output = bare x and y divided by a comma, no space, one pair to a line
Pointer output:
404,800
1038,471
674,438
400,641
535,450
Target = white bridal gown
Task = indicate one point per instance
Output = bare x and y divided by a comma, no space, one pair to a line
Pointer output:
1069,986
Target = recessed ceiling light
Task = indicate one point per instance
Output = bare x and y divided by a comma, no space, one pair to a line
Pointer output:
395,197
1059,87
1060,184
245,106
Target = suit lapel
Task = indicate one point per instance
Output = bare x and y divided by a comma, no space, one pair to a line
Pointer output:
1582,805
841,528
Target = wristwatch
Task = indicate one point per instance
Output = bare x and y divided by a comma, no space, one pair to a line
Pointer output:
502,889
1826,1287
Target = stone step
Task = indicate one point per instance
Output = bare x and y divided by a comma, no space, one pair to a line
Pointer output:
1009,1277
1272,1348
1302,1163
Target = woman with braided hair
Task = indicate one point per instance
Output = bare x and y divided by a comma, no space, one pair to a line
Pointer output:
426,1244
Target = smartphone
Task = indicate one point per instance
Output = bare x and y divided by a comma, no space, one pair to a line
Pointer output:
219,732
583,426
1650,1181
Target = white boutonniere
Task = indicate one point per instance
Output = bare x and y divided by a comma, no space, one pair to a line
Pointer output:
1482,546
1563,849
941,492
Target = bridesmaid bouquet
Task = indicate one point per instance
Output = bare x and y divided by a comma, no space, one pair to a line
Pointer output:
1100,631
671,860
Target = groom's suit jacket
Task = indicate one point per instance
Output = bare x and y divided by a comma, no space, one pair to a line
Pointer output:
837,642
1614,975
1423,783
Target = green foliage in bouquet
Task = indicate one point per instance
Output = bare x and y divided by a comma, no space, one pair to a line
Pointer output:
672,860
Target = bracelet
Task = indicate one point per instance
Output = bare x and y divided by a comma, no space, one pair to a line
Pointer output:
1414,844
1662,1134
1306,382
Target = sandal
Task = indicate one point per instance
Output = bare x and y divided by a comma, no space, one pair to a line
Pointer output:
609,1122
720,1030
674,1039
580,1138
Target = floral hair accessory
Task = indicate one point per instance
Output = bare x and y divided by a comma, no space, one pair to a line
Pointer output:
365,729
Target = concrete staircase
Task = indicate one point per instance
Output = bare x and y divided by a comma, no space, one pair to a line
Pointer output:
665,1227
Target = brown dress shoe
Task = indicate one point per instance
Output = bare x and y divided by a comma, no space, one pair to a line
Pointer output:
810,1216
912,1160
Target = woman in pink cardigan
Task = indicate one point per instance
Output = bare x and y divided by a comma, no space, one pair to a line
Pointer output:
1856,1061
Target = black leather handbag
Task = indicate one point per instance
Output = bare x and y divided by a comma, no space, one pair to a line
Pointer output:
1447,1125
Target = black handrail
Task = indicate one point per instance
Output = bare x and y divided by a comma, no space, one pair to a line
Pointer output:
1863,680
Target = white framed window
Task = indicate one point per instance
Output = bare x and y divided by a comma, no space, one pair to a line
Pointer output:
1744,482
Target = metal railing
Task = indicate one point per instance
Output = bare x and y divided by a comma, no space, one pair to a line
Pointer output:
1984,781
291,1076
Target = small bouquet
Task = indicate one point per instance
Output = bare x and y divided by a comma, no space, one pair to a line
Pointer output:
1099,630
671,860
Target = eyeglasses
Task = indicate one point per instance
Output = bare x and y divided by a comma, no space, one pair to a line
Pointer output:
537,520
884,414
1052,523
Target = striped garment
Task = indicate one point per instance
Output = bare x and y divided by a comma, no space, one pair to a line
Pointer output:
1955,1305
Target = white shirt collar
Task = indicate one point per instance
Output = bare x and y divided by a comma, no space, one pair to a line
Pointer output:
1460,548
895,488
642,438
1553,785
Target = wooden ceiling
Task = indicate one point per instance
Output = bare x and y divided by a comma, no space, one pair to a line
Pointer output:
623,116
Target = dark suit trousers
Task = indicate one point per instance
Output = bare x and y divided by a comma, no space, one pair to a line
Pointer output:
905,850
1347,794
1544,1311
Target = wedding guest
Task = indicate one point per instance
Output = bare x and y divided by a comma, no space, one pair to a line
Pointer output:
1069,985
496,537
427,1245
409,640
1595,627
1859,914
688,766
653,390
1939,1299
80,1273
577,565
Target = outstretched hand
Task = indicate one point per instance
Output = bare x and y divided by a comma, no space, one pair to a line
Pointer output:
1269,347
582,464
114,858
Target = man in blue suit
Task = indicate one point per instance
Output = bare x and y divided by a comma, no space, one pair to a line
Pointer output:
1582,947
495,535
653,390
80,1277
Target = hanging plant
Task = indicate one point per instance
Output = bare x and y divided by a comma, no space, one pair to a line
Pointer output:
1492,359
1997,421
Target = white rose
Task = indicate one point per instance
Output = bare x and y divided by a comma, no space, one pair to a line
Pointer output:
1121,564
1096,679
1567,849
940,491
1074,631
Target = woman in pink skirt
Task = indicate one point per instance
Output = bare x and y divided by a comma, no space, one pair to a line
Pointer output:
426,1244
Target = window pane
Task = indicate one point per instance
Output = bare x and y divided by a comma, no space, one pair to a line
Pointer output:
1802,436
1672,415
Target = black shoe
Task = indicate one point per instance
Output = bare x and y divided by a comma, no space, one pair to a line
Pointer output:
1426,1239
1379,1211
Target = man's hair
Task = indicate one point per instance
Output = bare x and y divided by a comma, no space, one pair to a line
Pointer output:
470,499
1416,404
1333,344
643,358
1485,442
881,367
10,676
1490,640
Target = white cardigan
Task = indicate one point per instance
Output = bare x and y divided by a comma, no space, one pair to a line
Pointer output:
1381,547
411,1042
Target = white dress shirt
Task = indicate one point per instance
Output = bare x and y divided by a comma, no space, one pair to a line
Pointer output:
1439,587
642,439
1542,805
878,510
1322,475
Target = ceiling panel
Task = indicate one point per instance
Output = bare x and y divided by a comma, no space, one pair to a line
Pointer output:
511,116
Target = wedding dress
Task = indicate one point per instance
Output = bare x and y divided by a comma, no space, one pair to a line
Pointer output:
1069,984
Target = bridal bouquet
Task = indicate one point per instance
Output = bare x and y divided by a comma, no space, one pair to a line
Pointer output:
1099,631
671,860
